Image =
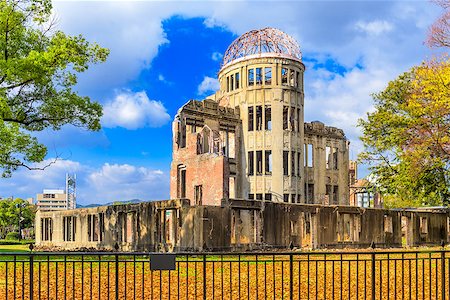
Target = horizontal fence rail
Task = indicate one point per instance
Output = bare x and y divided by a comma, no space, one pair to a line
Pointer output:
293,275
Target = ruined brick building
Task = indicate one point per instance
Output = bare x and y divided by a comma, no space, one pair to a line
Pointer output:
249,140
248,173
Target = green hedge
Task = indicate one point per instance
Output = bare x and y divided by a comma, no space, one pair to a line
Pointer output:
16,242
12,236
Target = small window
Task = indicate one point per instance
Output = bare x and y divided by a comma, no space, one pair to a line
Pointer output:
388,224
268,197
336,194
268,161
237,80
258,76
250,163
259,117
297,75
69,227
250,118
259,196
308,155
292,119
335,158
292,78
285,117
251,77
299,164
292,163
181,181
299,123
327,157
424,225
268,76
231,82
309,192
284,76
285,163
286,198
259,168
251,196
46,229
228,83
198,194
268,118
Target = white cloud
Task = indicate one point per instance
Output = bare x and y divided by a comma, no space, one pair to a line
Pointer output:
161,77
107,183
118,182
208,84
216,56
375,27
134,110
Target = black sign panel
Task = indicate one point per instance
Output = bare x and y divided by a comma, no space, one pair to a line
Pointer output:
162,262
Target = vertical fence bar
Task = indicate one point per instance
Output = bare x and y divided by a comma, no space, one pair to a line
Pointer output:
204,276
31,276
443,274
373,275
117,276
291,276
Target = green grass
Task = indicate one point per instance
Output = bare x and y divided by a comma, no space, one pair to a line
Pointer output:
14,248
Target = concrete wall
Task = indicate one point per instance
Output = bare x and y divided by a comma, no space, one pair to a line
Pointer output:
240,225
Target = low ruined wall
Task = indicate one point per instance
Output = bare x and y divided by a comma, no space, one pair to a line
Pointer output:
237,225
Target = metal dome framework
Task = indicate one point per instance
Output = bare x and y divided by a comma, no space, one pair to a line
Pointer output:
260,43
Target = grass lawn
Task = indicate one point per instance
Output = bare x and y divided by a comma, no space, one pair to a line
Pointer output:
14,248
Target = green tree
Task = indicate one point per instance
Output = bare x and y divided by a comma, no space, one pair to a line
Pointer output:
11,210
407,137
38,69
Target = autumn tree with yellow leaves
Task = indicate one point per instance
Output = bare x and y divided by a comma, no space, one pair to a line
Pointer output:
407,137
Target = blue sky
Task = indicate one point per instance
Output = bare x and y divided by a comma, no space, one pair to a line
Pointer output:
164,53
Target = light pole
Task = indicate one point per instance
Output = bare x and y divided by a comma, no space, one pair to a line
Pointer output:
20,206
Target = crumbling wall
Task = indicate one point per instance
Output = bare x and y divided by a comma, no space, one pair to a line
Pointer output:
237,225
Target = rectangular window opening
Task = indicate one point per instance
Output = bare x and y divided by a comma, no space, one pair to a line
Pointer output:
259,196
237,80
268,197
231,82
251,77
259,168
251,117
268,76
292,119
259,117
286,198
284,76
258,76
292,78
268,117
335,158
181,181
250,163
285,163
198,194
327,157
285,117
292,163
268,162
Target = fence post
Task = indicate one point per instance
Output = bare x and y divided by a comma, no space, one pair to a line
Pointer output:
204,276
373,270
31,276
117,276
443,271
291,276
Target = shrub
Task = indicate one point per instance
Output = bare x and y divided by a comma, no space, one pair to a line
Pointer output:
12,236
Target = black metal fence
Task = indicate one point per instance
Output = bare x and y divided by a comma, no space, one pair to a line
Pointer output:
293,275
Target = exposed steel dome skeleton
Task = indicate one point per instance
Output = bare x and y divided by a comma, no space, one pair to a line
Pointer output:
262,42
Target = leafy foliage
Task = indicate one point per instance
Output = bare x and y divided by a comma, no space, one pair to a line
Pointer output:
38,68
11,210
407,137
